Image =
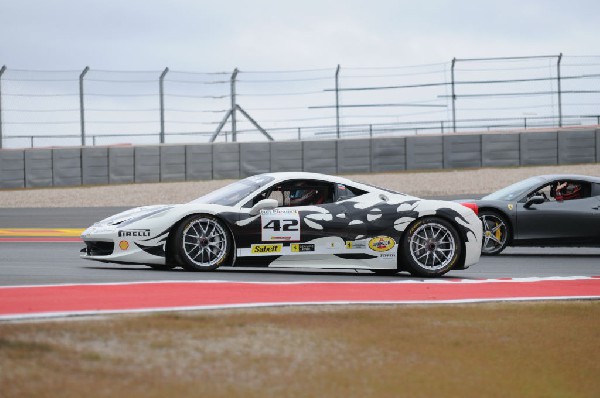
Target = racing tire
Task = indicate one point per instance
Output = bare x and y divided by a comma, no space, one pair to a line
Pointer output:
202,243
430,248
496,232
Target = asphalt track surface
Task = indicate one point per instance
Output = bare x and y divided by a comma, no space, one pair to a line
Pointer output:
36,263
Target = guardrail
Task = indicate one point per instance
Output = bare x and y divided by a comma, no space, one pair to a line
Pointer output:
58,167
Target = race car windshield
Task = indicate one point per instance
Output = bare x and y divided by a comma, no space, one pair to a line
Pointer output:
515,190
231,194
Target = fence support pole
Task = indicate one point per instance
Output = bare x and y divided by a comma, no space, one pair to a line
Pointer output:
81,107
453,97
161,86
337,101
1,73
233,107
299,134
559,91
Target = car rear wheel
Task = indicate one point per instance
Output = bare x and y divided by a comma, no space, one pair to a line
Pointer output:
495,232
431,247
202,243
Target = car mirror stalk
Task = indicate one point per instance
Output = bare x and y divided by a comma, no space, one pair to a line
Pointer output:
265,204
534,200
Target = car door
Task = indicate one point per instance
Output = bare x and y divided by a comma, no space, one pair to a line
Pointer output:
557,222
306,223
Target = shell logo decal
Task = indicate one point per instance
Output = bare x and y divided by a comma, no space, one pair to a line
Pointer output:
382,243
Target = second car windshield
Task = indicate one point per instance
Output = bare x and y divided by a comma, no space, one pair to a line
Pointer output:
231,194
515,190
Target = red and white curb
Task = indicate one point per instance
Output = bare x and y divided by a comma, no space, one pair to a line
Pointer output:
25,302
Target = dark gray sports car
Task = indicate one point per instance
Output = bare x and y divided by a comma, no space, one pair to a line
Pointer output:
547,210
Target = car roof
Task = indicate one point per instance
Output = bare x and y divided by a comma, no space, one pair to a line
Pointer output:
282,176
549,177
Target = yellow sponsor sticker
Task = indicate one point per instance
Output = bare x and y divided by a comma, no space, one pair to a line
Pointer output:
349,244
274,248
510,206
382,243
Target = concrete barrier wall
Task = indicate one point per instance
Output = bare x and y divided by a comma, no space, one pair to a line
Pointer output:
146,163
38,168
121,165
286,156
172,163
462,151
424,152
388,154
500,150
577,147
226,161
320,156
539,149
94,166
198,162
354,156
12,169
255,158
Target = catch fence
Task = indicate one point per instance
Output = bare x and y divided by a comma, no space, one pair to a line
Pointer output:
94,107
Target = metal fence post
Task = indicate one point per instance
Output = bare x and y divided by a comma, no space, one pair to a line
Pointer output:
559,91
233,107
453,97
161,93
81,108
299,134
337,101
1,73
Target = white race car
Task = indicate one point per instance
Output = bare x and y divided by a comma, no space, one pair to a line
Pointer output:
303,220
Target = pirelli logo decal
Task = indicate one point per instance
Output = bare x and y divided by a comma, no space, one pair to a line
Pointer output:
268,248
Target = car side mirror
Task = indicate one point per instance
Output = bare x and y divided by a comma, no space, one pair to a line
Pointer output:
534,200
265,204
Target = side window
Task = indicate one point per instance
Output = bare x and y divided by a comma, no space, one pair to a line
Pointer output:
570,190
546,191
562,190
298,193
344,192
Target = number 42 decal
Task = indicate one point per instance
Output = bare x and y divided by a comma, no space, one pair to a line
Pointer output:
280,226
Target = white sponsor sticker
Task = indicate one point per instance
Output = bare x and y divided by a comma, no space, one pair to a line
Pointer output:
280,225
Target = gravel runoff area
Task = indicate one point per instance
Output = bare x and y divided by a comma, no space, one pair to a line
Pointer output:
417,183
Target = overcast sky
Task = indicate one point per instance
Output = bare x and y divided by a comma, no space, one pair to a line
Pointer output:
198,35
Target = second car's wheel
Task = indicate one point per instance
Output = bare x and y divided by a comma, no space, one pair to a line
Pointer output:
202,243
495,232
431,247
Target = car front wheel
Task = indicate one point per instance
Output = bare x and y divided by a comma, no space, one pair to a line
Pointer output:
495,233
431,247
202,243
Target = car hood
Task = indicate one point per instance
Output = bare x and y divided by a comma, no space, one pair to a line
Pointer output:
136,213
